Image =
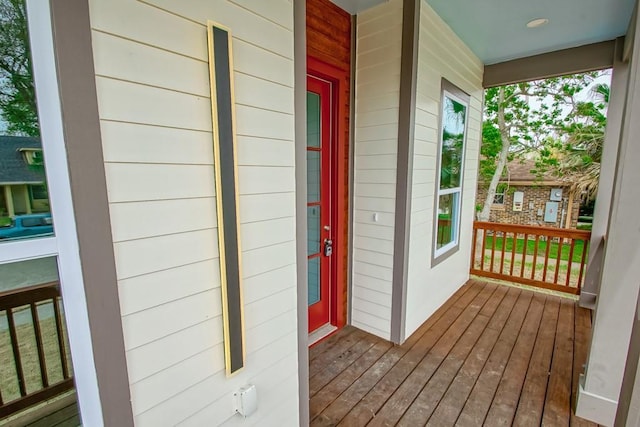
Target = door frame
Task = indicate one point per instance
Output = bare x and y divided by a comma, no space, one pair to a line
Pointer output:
340,214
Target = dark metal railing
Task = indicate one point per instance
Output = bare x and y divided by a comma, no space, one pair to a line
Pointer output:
550,258
34,362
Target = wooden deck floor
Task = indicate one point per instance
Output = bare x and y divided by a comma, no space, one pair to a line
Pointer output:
492,355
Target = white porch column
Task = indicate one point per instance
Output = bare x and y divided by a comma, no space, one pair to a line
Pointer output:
8,196
599,390
27,199
604,197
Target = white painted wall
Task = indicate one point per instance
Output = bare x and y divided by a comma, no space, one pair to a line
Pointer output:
441,54
379,37
153,91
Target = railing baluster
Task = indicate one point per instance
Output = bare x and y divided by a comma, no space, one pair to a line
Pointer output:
560,243
535,257
16,353
484,244
514,241
60,332
504,246
493,249
546,258
585,244
570,261
524,254
39,344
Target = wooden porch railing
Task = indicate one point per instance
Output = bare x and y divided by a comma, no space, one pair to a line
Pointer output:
34,365
545,257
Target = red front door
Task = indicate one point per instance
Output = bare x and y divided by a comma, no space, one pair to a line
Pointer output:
320,242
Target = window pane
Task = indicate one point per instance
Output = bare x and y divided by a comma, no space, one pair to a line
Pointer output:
314,281
16,280
453,128
28,273
313,230
22,178
313,119
447,219
313,176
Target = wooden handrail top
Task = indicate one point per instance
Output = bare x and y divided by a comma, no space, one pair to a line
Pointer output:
28,295
533,230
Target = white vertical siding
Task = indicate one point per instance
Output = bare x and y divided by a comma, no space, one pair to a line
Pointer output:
152,79
441,55
379,34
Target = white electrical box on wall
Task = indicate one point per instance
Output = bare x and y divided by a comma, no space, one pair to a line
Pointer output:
556,194
518,200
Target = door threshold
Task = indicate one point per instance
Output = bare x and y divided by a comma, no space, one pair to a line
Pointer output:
320,333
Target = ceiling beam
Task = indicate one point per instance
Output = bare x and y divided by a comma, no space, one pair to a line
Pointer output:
591,57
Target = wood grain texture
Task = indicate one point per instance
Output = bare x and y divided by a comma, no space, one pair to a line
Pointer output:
491,355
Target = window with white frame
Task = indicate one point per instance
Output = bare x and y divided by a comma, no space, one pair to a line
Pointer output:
451,149
498,198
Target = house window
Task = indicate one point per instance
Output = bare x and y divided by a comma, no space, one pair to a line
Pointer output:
448,201
498,198
39,192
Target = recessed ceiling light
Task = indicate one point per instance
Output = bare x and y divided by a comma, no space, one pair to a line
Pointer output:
535,23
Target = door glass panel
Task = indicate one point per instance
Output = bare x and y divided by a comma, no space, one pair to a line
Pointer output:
314,281
24,199
313,176
313,119
313,230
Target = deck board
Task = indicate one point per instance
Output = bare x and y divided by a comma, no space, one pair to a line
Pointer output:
365,410
492,355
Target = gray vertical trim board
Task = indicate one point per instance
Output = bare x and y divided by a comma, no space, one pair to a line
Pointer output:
300,123
406,129
83,141
619,79
351,177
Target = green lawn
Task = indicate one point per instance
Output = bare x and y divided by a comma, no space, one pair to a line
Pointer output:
542,247
4,220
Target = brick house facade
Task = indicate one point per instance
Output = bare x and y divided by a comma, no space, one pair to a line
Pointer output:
537,191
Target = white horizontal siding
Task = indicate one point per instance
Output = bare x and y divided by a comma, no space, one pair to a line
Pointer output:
441,55
379,36
152,79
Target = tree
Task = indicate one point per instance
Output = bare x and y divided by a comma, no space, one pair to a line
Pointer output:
577,159
17,93
526,118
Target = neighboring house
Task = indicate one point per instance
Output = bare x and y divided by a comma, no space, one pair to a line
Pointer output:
22,189
357,130
525,198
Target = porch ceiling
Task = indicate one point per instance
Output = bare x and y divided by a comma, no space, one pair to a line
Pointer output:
496,30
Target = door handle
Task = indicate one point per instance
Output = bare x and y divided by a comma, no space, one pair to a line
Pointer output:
328,247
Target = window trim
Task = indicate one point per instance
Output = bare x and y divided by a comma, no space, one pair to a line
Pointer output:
64,244
440,254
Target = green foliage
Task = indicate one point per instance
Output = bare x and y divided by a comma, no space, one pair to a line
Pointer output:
545,120
17,93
